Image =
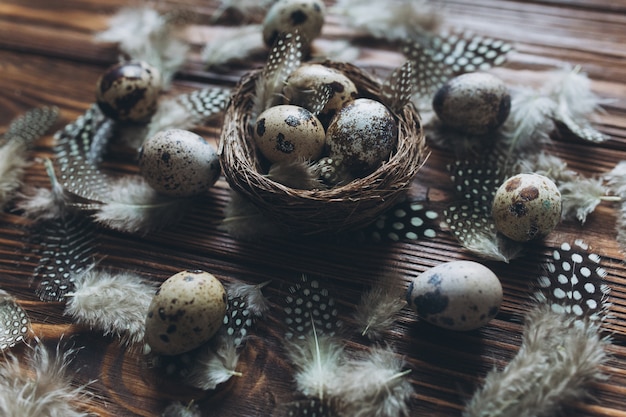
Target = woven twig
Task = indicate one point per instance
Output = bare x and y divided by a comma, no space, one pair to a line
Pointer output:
342,208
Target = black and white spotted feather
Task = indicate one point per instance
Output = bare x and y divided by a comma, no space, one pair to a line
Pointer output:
397,90
246,303
469,217
14,322
440,58
284,57
573,282
309,407
310,306
408,220
31,125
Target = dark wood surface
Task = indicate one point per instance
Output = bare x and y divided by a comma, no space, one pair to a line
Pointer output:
48,57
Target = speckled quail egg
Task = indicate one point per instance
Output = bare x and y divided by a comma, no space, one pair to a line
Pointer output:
289,133
179,163
526,207
305,16
308,79
129,91
456,295
474,103
186,311
363,134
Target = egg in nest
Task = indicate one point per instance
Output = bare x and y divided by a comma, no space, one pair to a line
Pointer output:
186,311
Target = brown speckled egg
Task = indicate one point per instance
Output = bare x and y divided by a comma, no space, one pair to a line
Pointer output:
289,133
179,163
456,295
363,134
305,16
186,311
526,207
129,91
310,78
475,103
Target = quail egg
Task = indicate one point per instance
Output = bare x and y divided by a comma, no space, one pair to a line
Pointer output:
308,79
179,163
289,133
456,295
305,16
129,91
526,207
186,311
362,134
474,103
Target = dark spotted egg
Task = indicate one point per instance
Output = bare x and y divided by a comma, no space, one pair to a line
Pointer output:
129,91
304,16
186,311
526,207
457,295
289,133
362,134
179,163
475,103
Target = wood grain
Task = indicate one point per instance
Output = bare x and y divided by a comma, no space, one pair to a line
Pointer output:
48,57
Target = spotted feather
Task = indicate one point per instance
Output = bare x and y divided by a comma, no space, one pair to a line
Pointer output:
246,303
397,89
581,127
309,304
205,103
310,407
31,125
14,322
407,220
573,282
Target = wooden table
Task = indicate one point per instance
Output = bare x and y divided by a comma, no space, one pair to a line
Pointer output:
48,56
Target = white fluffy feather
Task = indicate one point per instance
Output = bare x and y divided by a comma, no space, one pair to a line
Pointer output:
235,45
39,385
216,364
134,206
178,409
256,301
114,303
374,385
377,309
143,34
13,162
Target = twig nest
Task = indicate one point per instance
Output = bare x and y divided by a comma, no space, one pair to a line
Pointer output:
309,79
527,207
457,295
286,133
288,16
474,103
362,135
179,163
186,311
129,91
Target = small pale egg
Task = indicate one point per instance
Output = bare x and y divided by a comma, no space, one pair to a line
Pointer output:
129,91
475,103
186,311
179,163
456,295
310,78
526,207
305,16
289,133
362,134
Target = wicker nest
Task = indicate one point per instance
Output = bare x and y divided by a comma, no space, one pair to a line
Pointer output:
342,208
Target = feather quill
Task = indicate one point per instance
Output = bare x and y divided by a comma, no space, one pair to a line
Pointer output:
40,385
133,206
373,385
145,35
114,303
377,309
236,45
558,359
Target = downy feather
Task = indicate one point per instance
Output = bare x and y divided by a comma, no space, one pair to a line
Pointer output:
134,206
13,163
297,174
178,409
237,44
243,220
558,359
40,385
255,300
145,35
114,303
374,385
215,364
316,359
377,309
